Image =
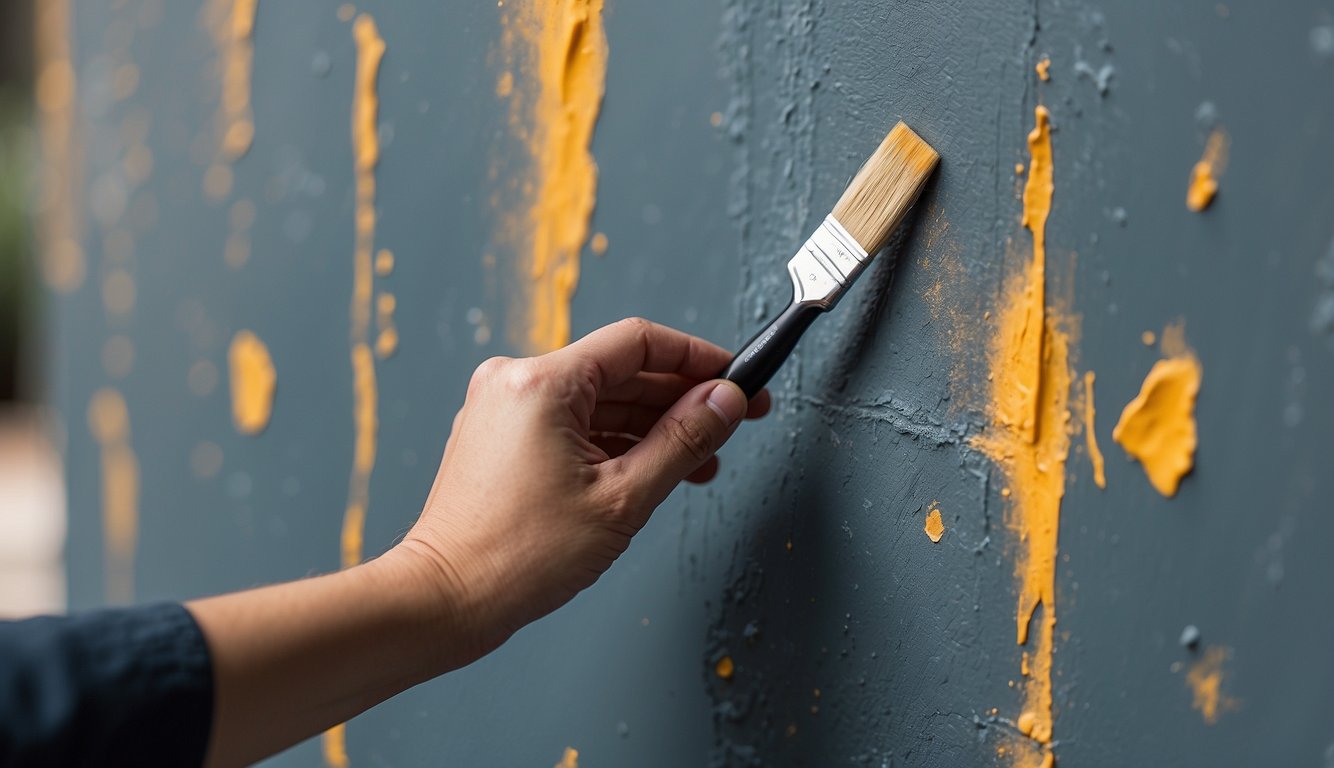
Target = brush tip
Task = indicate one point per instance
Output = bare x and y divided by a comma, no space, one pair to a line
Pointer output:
886,187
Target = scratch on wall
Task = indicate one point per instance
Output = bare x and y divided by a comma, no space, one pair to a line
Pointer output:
1204,176
1205,681
1029,442
253,380
365,416
109,422
555,57
1157,428
56,207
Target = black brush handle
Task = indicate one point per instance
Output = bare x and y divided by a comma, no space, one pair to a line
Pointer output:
764,354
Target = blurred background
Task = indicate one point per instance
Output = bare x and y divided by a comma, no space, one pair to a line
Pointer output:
31,495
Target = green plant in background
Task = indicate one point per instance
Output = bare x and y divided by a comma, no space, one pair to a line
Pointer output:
15,289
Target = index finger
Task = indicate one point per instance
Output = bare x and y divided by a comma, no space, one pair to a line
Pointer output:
625,348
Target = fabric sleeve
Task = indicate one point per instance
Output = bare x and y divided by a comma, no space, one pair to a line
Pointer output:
113,687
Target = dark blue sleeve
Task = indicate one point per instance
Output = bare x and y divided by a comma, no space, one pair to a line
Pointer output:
123,686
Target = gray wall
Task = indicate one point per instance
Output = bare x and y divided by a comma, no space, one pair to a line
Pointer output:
910,644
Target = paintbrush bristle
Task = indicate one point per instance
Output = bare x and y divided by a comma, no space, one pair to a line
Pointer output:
885,188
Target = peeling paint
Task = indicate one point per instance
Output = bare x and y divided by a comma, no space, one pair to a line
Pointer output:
1205,681
1204,176
934,527
1157,428
555,52
1029,442
253,380
109,422
1043,68
59,232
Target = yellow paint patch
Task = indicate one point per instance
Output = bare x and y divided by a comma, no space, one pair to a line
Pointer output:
724,668
1205,681
231,23
1148,338
1157,428
935,527
570,759
1029,442
109,422
1204,176
556,51
1091,436
365,398
59,233
253,381
1043,69
598,245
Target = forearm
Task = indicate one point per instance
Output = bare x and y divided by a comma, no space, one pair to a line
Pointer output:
294,659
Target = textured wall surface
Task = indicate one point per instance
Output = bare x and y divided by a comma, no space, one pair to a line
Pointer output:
227,167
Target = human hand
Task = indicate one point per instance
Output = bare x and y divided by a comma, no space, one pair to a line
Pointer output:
555,462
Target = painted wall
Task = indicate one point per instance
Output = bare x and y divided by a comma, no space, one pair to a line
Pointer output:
237,168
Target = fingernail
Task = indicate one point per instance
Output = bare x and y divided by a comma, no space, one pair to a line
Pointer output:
728,402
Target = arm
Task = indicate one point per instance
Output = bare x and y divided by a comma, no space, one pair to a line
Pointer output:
553,464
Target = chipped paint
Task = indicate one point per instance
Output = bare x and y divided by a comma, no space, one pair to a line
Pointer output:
1029,442
1043,68
253,380
1204,176
1205,681
59,233
556,54
934,527
1090,434
365,398
109,422
1157,428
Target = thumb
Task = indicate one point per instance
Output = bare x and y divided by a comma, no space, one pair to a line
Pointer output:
684,438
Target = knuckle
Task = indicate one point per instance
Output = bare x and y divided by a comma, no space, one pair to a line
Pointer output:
690,437
522,377
637,325
488,371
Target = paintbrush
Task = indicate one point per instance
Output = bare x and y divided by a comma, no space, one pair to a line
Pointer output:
872,206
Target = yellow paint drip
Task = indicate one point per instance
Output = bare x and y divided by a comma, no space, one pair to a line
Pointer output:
365,398
1029,441
1157,428
935,527
1205,681
570,759
58,219
232,26
109,422
253,380
1204,176
556,55
1090,436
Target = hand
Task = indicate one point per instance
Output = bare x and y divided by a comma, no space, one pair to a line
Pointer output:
555,462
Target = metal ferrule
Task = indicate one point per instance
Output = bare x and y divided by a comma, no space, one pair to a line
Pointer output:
826,265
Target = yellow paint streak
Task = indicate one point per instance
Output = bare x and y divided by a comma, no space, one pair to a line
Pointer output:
935,527
253,380
58,229
231,23
1204,176
365,409
570,759
1205,681
556,52
724,668
1157,428
1090,436
1029,442
109,422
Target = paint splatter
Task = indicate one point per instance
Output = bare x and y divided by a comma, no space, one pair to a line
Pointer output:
365,416
253,380
1148,338
1090,436
935,527
1204,176
724,668
1157,428
570,759
1029,442
109,422
58,219
556,52
1043,68
231,23
1205,681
